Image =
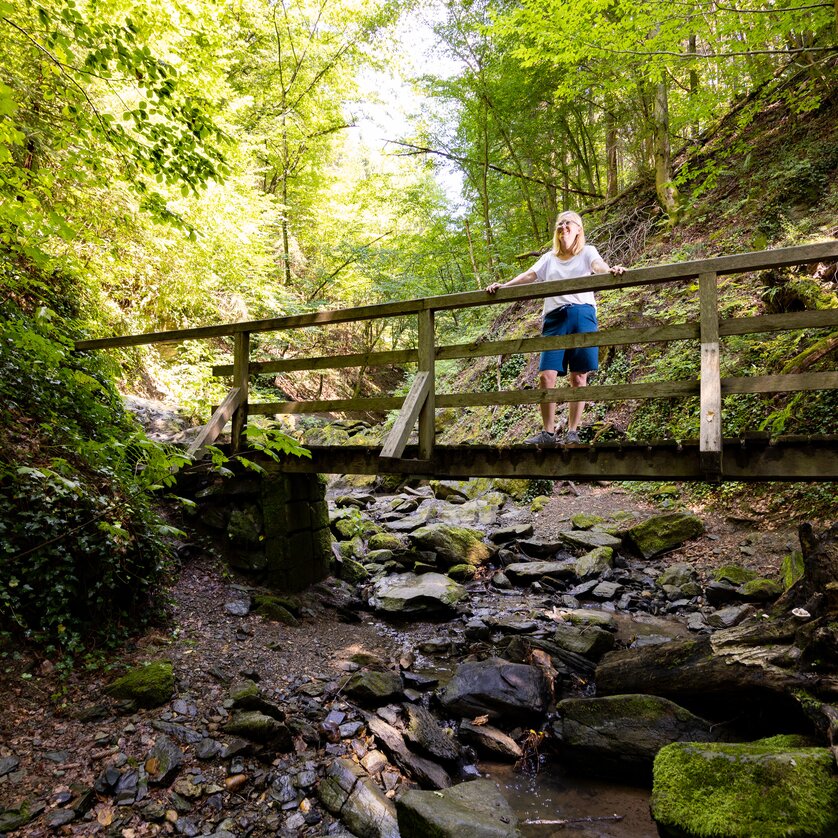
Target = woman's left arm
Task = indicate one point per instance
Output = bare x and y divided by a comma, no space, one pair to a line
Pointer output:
600,267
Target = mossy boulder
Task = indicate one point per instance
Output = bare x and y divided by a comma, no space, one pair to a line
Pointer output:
352,571
353,549
660,533
539,503
585,521
791,569
677,576
259,727
734,574
461,572
595,563
452,545
374,687
763,788
385,541
275,609
147,686
761,590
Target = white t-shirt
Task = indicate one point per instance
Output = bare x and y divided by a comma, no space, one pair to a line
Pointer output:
549,267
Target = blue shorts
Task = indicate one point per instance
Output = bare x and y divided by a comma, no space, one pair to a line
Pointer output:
570,320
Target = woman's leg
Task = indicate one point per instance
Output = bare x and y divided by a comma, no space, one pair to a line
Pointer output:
547,381
574,409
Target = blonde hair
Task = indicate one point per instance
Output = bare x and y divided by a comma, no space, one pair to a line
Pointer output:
578,242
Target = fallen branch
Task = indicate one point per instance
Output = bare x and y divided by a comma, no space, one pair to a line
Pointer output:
573,821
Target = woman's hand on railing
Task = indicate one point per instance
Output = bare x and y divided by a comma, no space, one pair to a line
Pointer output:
492,287
617,270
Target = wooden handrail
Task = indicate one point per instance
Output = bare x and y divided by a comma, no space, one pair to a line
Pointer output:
420,404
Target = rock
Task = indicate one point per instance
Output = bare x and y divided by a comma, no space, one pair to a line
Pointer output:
585,521
163,761
446,490
348,793
515,532
452,545
619,736
469,810
501,581
407,595
482,511
237,608
461,572
589,539
275,608
423,731
59,817
8,764
730,616
734,574
490,741
595,563
425,772
525,573
588,617
763,788
539,548
760,590
498,688
259,727
663,532
374,687
12,819
589,641
385,541
719,593
607,590
148,686
352,571
414,521
676,576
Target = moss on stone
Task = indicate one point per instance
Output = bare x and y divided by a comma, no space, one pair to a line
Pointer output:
585,521
745,790
385,541
538,503
453,545
761,590
148,686
734,574
352,571
461,572
275,608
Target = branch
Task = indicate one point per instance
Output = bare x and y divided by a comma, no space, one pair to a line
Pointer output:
349,261
418,149
708,55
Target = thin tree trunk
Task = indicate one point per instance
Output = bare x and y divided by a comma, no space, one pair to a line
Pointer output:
611,155
667,193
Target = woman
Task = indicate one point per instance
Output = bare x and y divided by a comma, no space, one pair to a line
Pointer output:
565,314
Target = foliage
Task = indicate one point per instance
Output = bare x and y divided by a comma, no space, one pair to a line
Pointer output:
81,545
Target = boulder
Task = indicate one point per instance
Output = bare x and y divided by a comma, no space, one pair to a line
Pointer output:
525,573
427,737
452,545
490,741
374,687
766,788
427,773
406,595
259,727
734,574
469,810
760,590
589,539
595,563
586,521
498,688
385,541
660,533
514,532
349,793
148,686
590,641
619,736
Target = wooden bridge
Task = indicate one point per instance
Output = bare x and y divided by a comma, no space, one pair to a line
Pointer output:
710,457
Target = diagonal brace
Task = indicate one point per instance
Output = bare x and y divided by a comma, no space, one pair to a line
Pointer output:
396,440
210,432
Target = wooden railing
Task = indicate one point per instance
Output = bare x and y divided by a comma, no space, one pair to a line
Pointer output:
422,400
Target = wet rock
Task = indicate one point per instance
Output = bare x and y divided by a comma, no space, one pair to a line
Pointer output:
425,772
407,595
660,533
350,794
148,686
607,590
588,617
476,629
490,741
259,727
677,576
590,641
374,687
619,736
721,789
760,590
496,687
475,809
451,545
525,573
424,733
163,761
461,572
595,563
720,593
501,581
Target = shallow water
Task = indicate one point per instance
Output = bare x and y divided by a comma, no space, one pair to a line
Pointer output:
554,795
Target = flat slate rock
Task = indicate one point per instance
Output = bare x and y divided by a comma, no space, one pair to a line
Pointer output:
539,548
490,741
527,572
588,539
408,595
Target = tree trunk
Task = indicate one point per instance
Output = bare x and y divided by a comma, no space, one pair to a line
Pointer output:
667,193
611,155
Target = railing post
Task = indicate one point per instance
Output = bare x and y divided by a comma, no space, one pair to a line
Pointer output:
427,357
710,432
241,379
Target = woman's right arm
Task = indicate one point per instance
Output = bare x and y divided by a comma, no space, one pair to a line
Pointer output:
522,279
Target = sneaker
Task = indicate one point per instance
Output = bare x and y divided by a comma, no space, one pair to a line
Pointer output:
541,438
571,438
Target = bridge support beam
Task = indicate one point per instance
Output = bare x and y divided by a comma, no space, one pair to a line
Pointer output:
710,440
